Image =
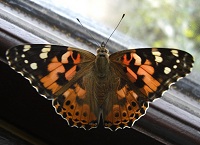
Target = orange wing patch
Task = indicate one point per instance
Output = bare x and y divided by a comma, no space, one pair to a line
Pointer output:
76,57
74,107
144,70
126,111
66,67
139,70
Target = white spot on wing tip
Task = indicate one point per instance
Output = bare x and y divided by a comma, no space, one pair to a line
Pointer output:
33,66
46,49
177,61
158,59
48,46
43,55
7,52
167,70
174,52
175,66
26,61
26,48
7,57
156,53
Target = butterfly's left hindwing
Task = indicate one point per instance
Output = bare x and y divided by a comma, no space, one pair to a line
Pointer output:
57,72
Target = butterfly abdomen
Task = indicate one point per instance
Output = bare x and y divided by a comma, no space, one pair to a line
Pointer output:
104,86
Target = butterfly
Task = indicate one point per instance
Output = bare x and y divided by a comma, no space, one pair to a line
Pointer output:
85,88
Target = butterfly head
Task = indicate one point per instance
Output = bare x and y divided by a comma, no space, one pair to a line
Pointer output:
102,51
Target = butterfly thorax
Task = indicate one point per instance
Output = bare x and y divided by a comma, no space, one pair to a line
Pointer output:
102,62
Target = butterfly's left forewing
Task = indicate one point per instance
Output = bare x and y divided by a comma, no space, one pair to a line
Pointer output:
152,70
58,73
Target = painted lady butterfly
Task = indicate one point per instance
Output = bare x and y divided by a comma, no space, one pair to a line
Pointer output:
85,87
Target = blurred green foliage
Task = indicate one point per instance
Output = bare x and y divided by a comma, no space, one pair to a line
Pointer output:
163,23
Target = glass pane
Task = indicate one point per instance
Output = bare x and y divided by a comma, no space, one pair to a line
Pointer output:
167,23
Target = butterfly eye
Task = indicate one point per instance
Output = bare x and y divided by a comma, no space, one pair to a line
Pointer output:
106,50
98,50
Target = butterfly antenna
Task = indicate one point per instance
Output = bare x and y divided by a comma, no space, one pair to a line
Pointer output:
88,32
115,29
